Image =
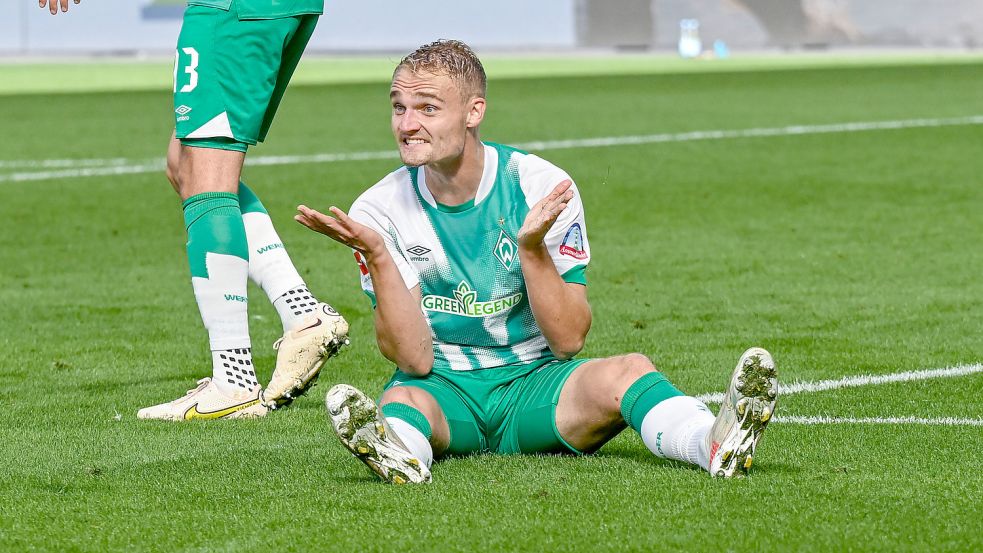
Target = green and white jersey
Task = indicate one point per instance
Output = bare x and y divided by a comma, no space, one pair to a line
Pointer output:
465,258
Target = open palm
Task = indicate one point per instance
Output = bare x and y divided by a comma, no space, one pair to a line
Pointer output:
541,217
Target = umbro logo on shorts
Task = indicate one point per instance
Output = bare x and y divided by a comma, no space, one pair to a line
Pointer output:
183,112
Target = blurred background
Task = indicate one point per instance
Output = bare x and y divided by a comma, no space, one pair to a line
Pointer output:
149,27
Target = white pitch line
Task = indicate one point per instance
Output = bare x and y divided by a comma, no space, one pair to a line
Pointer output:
793,130
942,421
143,168
62,163
148,166
861,380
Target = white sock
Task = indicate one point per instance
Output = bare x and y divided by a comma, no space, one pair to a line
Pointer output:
233,371
677,429
294,306
413,439
269,265
223,306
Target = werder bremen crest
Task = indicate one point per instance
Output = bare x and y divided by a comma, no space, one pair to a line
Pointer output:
465,302
506,251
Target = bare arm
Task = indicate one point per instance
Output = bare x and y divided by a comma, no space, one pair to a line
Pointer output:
560,308
52,5
400,327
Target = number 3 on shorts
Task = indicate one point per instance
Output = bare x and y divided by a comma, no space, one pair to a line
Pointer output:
191,69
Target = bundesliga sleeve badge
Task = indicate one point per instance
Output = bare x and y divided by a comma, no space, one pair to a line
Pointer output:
573,243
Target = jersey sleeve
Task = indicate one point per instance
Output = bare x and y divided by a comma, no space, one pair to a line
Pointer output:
566,240
373,216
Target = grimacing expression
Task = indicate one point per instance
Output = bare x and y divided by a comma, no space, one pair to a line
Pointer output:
430,117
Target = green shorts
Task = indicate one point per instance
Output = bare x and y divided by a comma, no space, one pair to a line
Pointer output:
504,410
230,74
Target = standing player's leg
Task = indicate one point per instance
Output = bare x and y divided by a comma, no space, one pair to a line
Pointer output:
207,180
226,102
270,266
312,330
602,396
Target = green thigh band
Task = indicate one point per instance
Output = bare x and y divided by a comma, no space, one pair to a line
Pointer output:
216,144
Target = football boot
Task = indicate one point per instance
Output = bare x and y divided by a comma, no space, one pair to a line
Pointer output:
363,430
301,353
747,407
205,402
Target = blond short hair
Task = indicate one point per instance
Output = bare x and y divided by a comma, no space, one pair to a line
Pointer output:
452,58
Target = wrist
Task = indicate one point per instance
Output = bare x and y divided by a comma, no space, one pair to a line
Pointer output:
533,251
376,257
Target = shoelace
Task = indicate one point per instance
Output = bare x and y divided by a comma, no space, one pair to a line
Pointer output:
201,384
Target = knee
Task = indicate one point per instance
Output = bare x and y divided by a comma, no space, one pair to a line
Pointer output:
636,365
409,395
632,367
623,371
173,167
173,173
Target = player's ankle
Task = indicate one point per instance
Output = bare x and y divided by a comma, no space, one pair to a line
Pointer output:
294,306
233,371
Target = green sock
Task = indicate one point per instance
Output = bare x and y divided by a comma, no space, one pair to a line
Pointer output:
248,201
643,395
214,224
219,260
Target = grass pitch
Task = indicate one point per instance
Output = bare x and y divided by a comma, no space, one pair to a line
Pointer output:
842,253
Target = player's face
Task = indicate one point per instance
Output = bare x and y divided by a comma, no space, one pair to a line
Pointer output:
430,117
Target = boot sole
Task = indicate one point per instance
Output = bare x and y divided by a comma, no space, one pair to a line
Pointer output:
758,386
355,420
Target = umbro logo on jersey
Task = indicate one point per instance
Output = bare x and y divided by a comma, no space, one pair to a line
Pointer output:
506,250
419,253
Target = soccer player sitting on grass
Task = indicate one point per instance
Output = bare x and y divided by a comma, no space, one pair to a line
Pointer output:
232,67
474,255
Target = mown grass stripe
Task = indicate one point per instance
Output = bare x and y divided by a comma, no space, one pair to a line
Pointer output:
114,167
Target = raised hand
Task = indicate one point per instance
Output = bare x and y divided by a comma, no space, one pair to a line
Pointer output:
341,228
52,5
541,217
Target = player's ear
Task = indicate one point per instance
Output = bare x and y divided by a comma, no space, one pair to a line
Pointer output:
476,112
